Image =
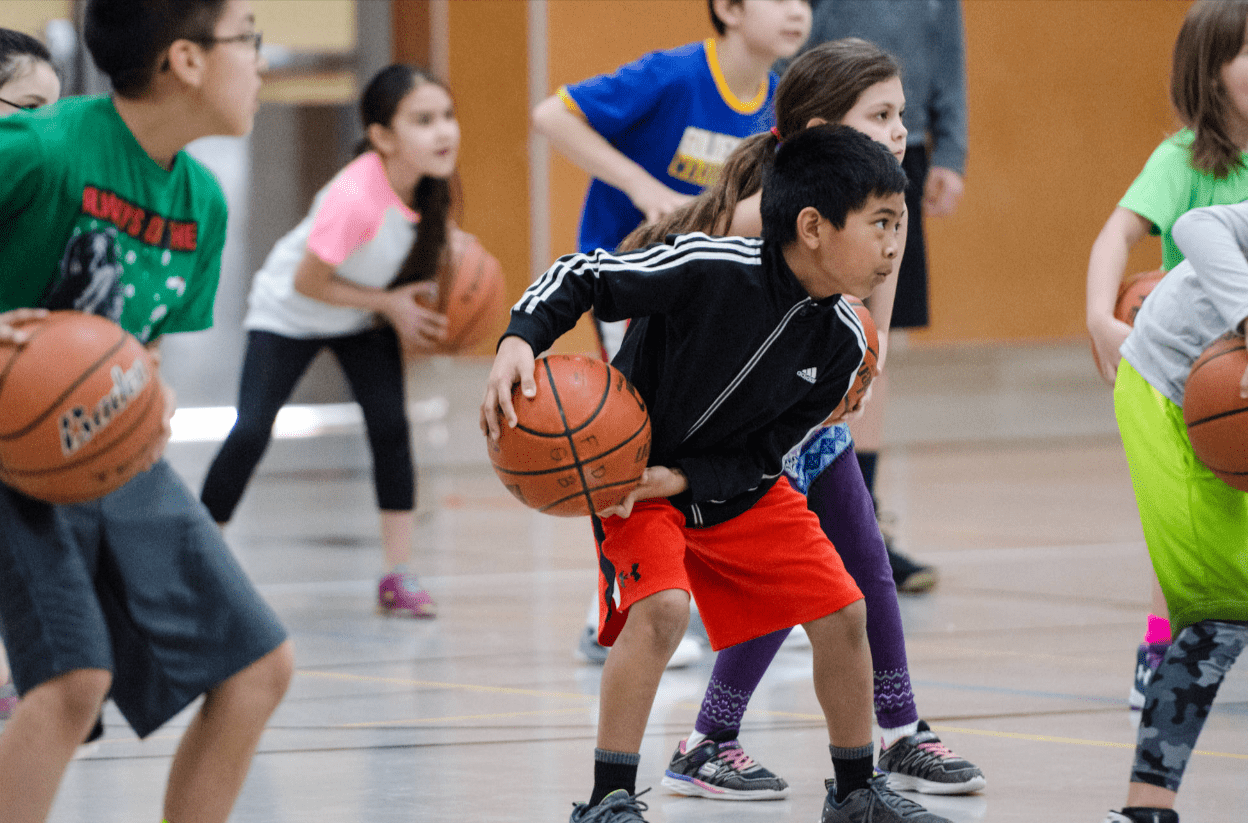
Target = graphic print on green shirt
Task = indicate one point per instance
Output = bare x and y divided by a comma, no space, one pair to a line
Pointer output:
89,221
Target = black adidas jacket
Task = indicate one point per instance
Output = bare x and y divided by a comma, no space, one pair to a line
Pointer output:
734,359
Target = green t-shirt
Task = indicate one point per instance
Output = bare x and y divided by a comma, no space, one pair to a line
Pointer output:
89,221
1169,187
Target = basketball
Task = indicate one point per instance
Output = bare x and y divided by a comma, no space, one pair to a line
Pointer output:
867,370
1131,293
80,409
581,443
1215,414
471,295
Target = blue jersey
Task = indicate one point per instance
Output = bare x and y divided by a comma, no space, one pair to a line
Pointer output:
672,113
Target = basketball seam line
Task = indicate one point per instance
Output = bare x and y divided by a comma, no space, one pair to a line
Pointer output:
554,391
554,503
121,438
1218,416
579,462
68,391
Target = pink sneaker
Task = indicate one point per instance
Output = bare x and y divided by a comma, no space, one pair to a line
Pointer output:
400,593
8,700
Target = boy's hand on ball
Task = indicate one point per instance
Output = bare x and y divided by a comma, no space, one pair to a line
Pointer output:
513,364
10,322
656,481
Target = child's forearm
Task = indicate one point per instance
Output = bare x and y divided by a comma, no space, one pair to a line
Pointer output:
1108,261
577,140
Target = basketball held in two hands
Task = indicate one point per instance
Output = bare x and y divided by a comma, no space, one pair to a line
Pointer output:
471,293
81,408
581,442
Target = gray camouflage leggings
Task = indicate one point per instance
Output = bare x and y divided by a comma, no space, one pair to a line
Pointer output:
1179,697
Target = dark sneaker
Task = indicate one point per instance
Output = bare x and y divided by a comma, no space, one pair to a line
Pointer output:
910,577
1147,658
721,771
617,807
877,803
921,763
1142,815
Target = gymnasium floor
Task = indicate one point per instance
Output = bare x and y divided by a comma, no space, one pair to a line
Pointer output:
1004,472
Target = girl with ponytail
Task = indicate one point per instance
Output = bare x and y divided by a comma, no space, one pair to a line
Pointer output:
348,278
849,82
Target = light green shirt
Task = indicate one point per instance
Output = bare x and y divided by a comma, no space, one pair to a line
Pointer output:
1169,187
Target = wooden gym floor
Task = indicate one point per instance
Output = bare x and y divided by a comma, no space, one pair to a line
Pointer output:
1003,471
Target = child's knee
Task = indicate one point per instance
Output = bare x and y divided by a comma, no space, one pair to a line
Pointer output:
76,696
847,625
266,680
663,616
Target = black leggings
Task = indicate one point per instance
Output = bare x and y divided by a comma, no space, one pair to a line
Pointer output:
272,366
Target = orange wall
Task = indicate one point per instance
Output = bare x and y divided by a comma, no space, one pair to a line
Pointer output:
1067,99
588,37
488,74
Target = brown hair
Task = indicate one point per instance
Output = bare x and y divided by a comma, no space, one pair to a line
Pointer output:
824,82
1212,35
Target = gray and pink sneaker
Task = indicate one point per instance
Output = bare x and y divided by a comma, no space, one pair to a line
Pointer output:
400,593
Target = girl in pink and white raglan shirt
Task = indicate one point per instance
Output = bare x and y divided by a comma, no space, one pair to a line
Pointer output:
347,278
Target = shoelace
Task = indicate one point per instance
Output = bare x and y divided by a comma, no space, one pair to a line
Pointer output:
937,749
735,756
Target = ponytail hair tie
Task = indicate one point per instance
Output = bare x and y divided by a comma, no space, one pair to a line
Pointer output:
776,133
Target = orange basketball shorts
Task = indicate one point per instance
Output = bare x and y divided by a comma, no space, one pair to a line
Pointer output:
767,569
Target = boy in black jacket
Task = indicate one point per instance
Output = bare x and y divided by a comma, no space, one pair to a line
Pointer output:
739,347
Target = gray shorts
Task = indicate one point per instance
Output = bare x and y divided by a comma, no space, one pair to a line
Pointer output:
139,583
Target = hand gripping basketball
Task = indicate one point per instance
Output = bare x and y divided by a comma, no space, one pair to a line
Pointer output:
82,409
580,440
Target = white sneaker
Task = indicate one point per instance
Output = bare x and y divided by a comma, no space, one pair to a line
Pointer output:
689,651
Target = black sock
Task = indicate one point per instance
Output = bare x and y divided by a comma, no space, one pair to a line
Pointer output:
852,768
613,770
866,462
1148,814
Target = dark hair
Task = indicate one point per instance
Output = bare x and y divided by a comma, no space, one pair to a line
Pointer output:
431,198
833,168
824,82
1212,34
128,38
17,51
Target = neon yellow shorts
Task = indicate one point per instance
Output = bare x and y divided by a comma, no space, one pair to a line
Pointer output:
1196,526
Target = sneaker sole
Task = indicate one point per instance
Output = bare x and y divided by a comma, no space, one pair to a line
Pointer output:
690,787
906,783
386,611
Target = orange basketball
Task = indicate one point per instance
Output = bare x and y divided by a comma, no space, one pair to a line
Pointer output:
1131,293
1216,416
471,295
582,442
868,370
80,409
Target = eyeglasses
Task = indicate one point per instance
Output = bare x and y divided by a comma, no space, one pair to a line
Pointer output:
26,106
253,37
